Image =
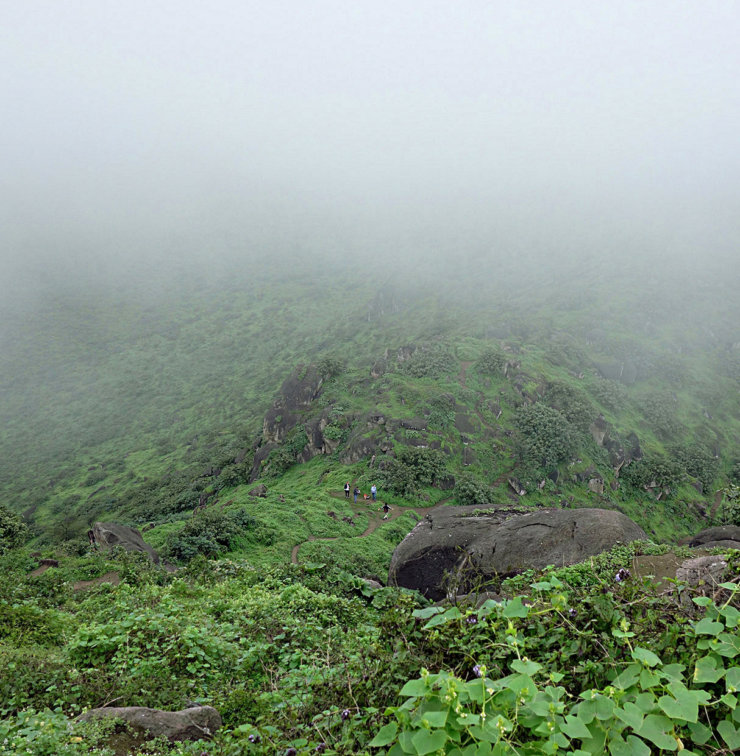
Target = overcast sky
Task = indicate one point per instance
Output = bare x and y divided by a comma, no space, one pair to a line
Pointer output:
133,129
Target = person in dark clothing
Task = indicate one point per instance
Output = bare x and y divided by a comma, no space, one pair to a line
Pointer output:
346,490
357,493
386,510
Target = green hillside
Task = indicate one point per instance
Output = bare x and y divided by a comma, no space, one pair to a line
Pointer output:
169,406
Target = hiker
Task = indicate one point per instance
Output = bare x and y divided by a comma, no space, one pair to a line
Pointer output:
346,490
356,493
386,510
373,490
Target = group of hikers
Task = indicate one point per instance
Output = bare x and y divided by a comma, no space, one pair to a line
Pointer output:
373,492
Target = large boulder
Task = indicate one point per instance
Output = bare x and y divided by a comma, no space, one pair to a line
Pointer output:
723,536
449,543
107,535
196,723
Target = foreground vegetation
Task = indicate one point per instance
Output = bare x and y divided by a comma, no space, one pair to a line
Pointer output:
310,659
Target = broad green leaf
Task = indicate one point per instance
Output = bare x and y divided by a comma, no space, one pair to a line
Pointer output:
435,718
526,667
515,608
631,715
683,706
574,727
415,688
648,679
730,586
543,585
486,733
646,657
426,741
656,729
627,677
731,615
632,747
673,671
385,736
700,733
729,700
451,614
702,600
427,612
708,627
405,741
707,671
730,734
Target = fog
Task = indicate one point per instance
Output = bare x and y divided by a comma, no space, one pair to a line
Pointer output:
185,137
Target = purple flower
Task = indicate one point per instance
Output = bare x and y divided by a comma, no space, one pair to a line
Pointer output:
320,748
572,613
345,714
621,575
477,671
291,752
472,620
254,738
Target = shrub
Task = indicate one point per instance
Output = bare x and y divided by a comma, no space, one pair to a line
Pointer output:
572,402
431,362
544,436
491,362
13,531
663,472
469,490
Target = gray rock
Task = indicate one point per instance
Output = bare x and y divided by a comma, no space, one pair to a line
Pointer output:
705,571
455,546
107,535
259,491
726,536
196,723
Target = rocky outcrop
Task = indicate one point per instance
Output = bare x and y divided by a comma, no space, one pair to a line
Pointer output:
142,724
299,390
723,537
107,535
258,491
455,545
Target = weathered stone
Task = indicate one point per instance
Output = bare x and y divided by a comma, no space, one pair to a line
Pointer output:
106,535
454,544
705,571
260,491
596,485
196,723
725,536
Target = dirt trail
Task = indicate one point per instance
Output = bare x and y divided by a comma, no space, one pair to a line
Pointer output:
109,577
375,520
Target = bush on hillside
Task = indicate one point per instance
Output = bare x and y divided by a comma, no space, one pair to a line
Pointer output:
471,491
660,409
696,461
441,412
330,367
572,402
491,362
411,468
611,394
657,472
544,436
429,363
13,531
213,532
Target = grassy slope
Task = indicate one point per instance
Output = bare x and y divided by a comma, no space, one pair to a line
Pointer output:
114,407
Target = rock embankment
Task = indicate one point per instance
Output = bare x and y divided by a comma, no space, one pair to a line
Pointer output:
455,546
